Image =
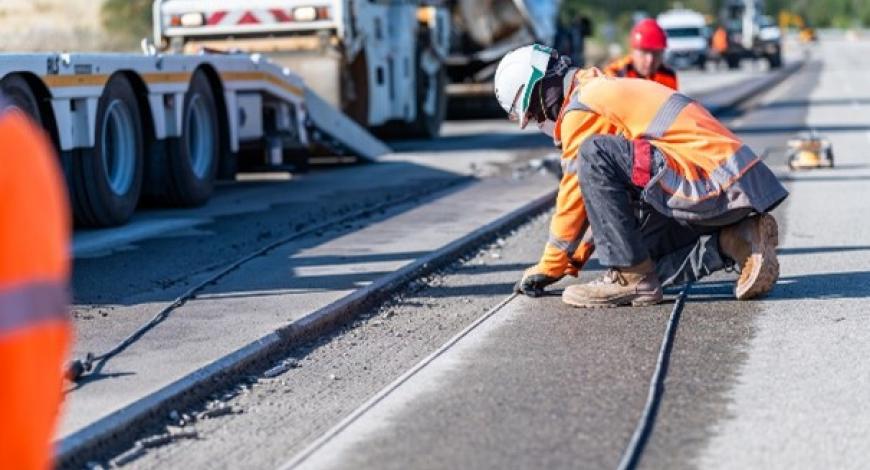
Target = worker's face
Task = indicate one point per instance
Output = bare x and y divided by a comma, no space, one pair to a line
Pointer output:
537,115
646,61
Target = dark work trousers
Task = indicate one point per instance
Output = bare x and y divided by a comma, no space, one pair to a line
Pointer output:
627,230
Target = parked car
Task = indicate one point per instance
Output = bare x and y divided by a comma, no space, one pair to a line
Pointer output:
688,38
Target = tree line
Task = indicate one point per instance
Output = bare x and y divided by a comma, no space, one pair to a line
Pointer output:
817,13
131,19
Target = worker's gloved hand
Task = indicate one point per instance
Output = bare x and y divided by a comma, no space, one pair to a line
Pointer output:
534,282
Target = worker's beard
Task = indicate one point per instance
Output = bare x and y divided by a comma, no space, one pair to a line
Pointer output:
552,95
548,96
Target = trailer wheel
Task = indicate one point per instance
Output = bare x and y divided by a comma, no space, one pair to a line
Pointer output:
106,180
733,61
18,94
184,174
775,60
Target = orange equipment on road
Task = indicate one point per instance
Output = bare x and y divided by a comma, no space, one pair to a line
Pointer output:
648,43
34,274
708,171
809,150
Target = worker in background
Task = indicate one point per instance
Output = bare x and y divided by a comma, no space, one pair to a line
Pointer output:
719,44
646,60
651,181
34,274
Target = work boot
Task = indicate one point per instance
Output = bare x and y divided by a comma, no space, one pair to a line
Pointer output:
752,245
637,286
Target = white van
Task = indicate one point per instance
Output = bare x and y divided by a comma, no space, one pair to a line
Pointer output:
688,38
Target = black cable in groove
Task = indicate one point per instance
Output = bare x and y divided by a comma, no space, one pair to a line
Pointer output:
635,448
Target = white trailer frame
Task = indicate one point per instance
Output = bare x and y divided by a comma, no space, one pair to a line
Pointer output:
74,83
163,125
69,89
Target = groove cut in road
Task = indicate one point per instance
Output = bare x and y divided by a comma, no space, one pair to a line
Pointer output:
634,450
645,425
380,396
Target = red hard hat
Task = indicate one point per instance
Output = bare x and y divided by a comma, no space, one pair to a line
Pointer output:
647,34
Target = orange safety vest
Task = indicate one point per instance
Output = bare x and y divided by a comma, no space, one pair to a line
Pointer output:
708,171
34,274
720,40
624,68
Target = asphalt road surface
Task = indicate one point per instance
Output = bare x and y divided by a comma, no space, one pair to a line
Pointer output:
770,384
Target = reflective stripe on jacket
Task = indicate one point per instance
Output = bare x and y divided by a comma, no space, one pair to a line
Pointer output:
708,170
34,272
624,68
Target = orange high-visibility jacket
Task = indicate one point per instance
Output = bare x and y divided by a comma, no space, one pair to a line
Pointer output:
624,68
708,170
720,40
34,273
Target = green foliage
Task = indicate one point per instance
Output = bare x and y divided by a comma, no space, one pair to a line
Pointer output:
826,13
817,13
128,20
618,8
621,13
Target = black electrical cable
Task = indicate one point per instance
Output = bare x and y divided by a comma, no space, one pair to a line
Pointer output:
632,454
80,368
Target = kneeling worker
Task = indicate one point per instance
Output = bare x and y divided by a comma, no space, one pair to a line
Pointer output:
660,188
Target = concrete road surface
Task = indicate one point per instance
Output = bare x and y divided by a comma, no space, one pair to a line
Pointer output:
541,385
777,383
123,286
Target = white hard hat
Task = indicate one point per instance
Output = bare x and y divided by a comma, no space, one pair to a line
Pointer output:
516,76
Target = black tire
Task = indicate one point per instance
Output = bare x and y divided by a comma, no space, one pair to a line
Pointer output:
775,60
355,86
702,64
229,164
298,159
18,94
105,189
184,172
428,125
733,61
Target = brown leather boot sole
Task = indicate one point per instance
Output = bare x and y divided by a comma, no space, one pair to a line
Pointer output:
634,300
761,270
